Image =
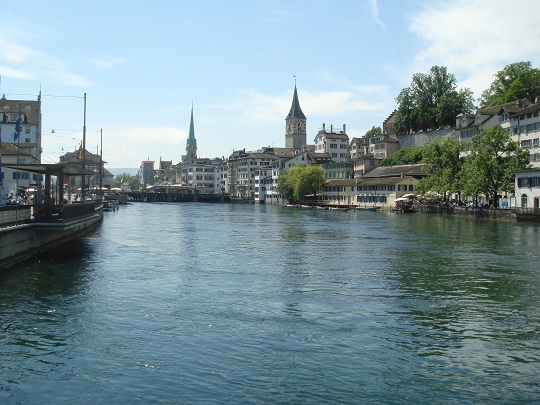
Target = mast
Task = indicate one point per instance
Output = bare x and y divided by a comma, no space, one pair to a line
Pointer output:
83,186
100,171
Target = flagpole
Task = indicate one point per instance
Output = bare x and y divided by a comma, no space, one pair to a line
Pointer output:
100,171
18,135
83,187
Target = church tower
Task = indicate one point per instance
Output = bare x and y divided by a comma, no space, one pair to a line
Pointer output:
191,145
295,125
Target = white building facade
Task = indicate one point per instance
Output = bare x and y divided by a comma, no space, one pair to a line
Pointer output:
25,136
336,144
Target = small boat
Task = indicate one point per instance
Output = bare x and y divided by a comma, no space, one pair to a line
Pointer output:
366,208
321,207
291,205
339,208
119,198
306,207
110,205
404,205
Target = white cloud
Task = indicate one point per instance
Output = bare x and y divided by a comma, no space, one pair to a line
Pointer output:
476,38
122,146
105,62
375,13
15,73
258,108
24,62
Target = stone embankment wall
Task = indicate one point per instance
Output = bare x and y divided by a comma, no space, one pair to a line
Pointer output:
421,138
482,213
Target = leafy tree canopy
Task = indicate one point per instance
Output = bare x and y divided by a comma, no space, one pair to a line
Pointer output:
374,131
443,165
300,180
515,81
404,156
492,164
431,101
126,179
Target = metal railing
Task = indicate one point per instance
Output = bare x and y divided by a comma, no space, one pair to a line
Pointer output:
17,215
13,215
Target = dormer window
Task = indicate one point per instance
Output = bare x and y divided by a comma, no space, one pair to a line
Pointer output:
13,117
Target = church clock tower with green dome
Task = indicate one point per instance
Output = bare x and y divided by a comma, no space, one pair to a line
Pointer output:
295,125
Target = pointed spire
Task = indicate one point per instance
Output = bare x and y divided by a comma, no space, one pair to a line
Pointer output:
191,139
191,144
296,111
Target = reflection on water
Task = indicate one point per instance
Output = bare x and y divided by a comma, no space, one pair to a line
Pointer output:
178,303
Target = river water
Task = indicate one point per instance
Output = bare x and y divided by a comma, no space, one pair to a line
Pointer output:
223,303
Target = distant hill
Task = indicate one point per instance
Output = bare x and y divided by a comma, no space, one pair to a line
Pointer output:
129,170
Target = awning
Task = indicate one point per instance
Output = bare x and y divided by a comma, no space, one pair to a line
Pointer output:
54,169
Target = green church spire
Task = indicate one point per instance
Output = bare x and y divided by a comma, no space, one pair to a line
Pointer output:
191,146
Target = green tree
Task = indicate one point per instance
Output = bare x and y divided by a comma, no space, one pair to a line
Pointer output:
515,81
432,101
300,180
374,131
404,156
126,179
443,166
403,119
492,164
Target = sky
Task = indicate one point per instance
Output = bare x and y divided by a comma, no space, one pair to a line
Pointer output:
143,65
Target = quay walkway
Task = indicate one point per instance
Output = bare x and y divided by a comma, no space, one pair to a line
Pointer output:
173,196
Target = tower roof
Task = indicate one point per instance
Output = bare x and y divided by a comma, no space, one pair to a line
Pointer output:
191,141
296,111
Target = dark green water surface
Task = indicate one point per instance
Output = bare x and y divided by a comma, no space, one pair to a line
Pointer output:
209,303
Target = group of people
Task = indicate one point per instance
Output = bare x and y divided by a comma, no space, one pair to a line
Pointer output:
28,198
21,199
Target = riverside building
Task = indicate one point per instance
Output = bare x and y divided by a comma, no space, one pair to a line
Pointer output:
20,126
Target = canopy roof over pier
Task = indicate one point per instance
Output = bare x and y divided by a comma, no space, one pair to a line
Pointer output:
52,169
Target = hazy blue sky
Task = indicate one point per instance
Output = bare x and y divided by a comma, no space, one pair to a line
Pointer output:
143,63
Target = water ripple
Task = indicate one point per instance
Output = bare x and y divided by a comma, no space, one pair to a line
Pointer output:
202,303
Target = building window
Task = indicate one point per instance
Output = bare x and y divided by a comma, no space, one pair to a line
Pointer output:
21,175
13,117
532,127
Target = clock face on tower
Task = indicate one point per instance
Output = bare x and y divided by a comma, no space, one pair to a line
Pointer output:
295,127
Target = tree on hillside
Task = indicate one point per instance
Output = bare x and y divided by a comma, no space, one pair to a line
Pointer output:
374,131
404,156
515,81
492,164
431,101
443,166
126,179
300,180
